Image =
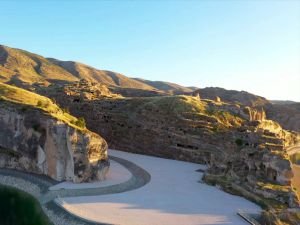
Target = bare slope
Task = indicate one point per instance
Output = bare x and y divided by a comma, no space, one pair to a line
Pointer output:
22,67
89,73
166,86
19,66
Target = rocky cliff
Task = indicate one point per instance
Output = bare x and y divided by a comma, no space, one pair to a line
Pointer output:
242,148
286,113
33,140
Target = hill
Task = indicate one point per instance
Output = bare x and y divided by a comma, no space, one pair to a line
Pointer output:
166,86
24,68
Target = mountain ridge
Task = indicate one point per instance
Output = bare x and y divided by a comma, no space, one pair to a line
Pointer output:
20,66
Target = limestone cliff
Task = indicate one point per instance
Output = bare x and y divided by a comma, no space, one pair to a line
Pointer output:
33,140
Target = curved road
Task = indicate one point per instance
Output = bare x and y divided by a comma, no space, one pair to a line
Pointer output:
139,178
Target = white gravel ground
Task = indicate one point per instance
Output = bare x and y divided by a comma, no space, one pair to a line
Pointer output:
174,196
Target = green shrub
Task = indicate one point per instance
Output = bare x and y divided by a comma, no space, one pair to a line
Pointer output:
20,208
39,104
24,108
36,126
43,104
239,142
80,122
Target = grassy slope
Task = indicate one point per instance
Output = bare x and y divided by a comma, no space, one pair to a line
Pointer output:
21,96
179,106
17,64
28,67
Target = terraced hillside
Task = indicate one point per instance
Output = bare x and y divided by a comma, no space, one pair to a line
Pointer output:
228,130
245,151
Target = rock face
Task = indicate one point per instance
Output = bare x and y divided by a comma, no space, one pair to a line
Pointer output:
33,141
288,115
242,148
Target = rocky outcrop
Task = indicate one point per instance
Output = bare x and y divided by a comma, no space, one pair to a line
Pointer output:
238,143
286,113
33,141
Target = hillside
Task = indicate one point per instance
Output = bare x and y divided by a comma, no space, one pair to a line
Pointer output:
228,130
288,115
166,86
89,73
37,136
19,66
20,96
233,96
236,141
25,68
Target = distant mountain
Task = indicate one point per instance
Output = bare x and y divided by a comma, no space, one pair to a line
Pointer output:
21,67
89,73
166,86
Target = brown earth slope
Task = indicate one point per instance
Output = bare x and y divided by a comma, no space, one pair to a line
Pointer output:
25,68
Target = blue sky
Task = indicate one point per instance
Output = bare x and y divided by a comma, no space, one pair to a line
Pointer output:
243,45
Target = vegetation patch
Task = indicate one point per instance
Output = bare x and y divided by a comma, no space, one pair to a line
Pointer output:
31,100
239,142
20,208
10,152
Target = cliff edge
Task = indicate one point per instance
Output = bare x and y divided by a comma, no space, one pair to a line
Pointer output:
38,136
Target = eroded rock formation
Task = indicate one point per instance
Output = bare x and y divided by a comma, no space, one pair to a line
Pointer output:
33,141
243,149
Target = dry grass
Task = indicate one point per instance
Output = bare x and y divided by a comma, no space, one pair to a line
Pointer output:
21,96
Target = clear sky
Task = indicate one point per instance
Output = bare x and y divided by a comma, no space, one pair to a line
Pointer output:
243,45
